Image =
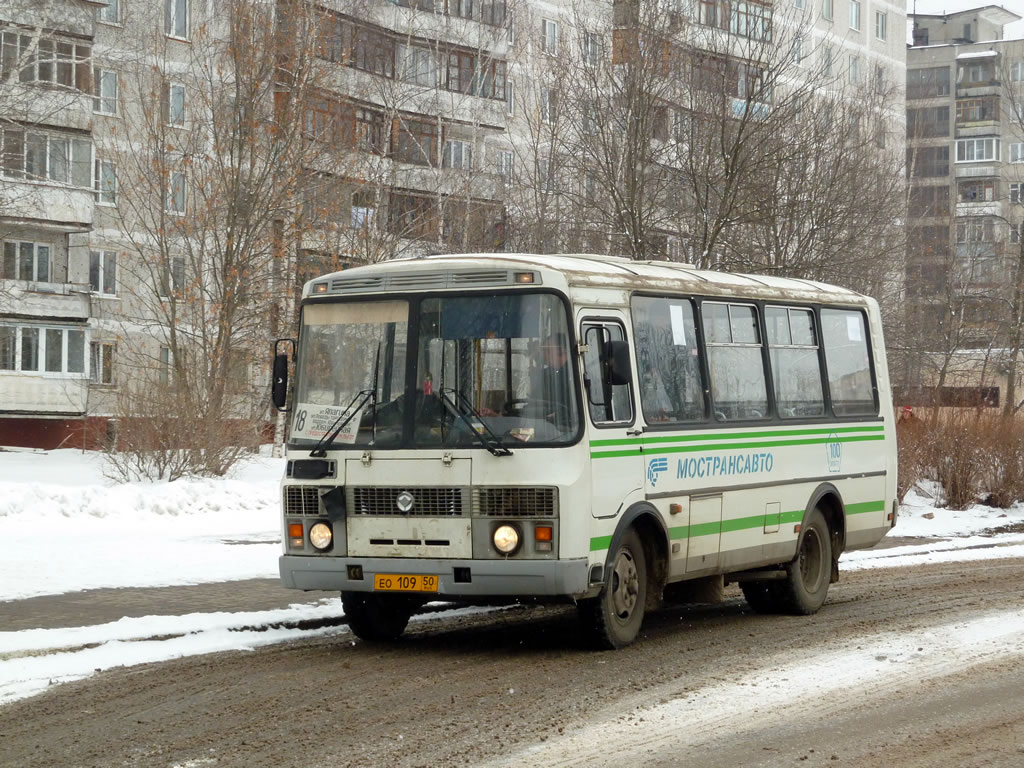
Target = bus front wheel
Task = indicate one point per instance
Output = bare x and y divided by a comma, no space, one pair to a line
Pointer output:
612,619
377,617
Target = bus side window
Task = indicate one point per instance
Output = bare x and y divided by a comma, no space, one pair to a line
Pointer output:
608,402
848,362
738,388
668,360
796,372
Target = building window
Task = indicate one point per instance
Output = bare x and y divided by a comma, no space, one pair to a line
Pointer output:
461,8
854,69
826,10
417,142
927,122
172,280
176,18
175,202
1017,152
977,150
798,50
549,37
42,350
1017,71
106,182
504,161
38,156
977,110
173,104
979,72
103,272
461,71
104,100
548,105
975,230
827,57
510,98
1017,193
458,154
976,191
591,49
111,13
417,65
928,83
855,14
101,363
492,13
54,61
881,25
26,261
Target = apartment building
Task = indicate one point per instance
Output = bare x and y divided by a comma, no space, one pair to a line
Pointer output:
965,156
442,125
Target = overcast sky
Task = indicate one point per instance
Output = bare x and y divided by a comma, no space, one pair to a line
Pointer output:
939,7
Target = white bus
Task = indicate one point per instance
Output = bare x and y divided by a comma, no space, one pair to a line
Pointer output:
584,428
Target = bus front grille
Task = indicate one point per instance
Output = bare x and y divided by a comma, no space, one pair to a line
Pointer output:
515,501
425,502
302,500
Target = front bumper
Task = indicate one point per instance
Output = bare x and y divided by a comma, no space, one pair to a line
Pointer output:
486,578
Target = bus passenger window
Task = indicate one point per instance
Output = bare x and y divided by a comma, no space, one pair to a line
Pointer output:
738,389
848,362
668,360
796,372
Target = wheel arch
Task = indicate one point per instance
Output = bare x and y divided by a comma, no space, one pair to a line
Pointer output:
829,500
645,519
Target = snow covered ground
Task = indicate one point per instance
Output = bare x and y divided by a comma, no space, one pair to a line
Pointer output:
65,527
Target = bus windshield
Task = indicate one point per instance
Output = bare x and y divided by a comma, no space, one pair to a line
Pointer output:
477,369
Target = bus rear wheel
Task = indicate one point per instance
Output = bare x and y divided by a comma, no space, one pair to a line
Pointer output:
805,587
612,619
377,617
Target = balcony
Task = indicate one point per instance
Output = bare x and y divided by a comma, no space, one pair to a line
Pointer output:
70,208
978,208
44,394
64,301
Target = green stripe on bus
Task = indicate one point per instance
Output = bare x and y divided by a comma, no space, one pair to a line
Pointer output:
659,450
693,437
739,524
865,506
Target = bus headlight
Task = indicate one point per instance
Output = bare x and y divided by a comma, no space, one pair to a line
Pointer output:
320,536
506,539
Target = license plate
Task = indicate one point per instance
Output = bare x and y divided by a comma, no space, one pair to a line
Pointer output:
404,582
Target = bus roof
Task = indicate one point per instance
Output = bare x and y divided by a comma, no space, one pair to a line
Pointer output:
579,270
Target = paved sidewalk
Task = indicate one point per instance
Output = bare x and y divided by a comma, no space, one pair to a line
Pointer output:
99,606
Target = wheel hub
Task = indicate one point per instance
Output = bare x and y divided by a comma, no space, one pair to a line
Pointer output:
625,585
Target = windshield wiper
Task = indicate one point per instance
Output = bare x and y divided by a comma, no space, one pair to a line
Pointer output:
367,395
460,405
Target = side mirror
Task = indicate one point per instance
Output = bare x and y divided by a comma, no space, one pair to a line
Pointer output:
616,355
283,350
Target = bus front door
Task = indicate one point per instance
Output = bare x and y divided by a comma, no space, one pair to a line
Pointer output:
615,450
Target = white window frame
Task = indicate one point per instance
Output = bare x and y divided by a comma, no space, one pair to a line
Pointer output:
548,105
855,15
853,69
37,257
172,278
1017,71
104,103
510,97
43,336
1017,152
105,182
174,25
1017,193
967,150
101,360
592,49
105,263
177,187
827,10
110,14
881,25
458,154
549,37
504,161
172,87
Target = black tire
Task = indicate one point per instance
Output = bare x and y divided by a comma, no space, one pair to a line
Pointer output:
376,618
761,596
612,619
805,587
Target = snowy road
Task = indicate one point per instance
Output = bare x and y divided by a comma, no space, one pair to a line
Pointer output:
904,666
